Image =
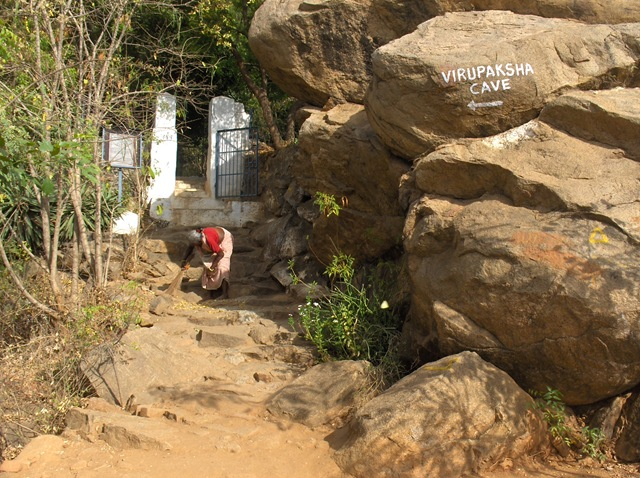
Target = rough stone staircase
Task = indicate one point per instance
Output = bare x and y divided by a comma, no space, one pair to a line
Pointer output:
191,200
184,393
250,278
194,203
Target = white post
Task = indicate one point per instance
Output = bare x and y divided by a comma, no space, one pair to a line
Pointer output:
164,155
225,113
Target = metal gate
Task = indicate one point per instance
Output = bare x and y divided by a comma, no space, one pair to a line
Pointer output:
237,163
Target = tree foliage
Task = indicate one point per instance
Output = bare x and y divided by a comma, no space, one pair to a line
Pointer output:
226,23
69,68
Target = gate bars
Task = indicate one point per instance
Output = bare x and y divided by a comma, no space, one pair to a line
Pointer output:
236,163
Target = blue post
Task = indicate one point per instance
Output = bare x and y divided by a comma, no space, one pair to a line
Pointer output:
119,186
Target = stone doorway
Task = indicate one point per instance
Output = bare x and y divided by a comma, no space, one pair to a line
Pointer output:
194,202
193,144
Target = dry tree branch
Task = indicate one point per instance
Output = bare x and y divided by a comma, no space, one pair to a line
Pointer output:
16,280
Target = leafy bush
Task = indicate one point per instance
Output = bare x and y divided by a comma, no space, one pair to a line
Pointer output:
359,318
22,210
327,204
594,441
588,441
361,315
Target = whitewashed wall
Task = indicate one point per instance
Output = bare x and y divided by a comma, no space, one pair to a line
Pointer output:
190,206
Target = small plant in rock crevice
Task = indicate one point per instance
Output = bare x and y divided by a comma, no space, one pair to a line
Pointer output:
594,441
354,320
361,314
587,441
327,204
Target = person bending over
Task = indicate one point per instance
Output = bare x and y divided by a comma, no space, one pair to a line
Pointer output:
214,246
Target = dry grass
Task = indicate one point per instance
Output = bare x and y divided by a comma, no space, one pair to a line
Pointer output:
38,385
40,377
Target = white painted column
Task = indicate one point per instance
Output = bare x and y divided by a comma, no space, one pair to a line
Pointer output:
164,156
224,113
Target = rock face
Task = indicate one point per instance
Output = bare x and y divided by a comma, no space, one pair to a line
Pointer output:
525,249
521,213
159,364
325,394
627,448
451,417
316,50
609,117
341,156
589,11
499,73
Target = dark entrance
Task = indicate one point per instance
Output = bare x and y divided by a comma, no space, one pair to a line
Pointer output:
193,143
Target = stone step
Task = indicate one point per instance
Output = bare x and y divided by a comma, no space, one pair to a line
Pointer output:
250,275
190,183
170,241
123,431
223,337
196,201
251,291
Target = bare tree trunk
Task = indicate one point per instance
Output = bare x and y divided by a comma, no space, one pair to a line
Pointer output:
76,201
75,266
16,280
260,93
53,260
97,235
42,199
79,79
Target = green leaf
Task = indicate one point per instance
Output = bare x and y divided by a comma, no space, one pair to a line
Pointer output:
90,173
47,186
45,146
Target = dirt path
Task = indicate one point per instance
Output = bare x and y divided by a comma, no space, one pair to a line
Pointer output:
217,425
213,427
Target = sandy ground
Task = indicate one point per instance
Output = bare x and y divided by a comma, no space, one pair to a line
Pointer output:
220,428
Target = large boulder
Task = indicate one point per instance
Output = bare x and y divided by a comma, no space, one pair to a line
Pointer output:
590,11
313,49
283,238
499,72
627,446
325,394
341,156
543,169
317,49
453,417
608,116
525,249
145,359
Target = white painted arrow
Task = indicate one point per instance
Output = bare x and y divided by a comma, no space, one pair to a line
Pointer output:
490,104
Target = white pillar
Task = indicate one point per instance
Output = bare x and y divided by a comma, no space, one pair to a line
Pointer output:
164,155
225,113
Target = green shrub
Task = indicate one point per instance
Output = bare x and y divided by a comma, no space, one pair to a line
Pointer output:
359,318
327,204
594,441
587,441
22,210
361,315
